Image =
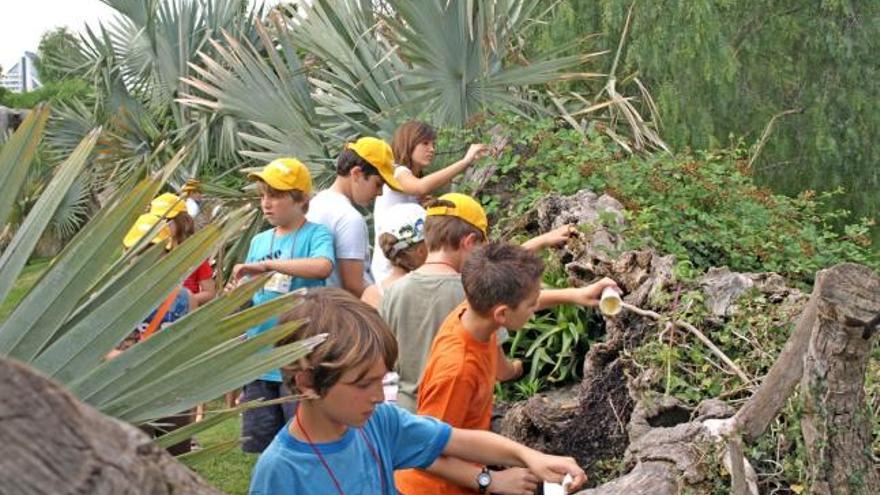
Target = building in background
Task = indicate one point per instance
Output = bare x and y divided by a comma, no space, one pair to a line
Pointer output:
22,76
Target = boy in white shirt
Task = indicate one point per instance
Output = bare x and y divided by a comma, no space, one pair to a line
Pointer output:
362,169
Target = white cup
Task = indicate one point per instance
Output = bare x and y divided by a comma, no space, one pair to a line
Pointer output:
610,303
557,488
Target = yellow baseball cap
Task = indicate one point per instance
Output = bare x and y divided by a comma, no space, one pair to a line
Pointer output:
143,225
378,154
167,205
465,208
285,174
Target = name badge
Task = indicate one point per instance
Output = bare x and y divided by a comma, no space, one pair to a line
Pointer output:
279,282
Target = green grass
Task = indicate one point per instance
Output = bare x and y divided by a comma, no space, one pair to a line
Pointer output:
25,281
230,471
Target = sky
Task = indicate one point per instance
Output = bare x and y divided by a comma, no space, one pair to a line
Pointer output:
22,22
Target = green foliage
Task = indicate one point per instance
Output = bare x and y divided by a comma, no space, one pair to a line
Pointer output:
56,49
552,345
702,207
91,296
53,92
718,68
229,472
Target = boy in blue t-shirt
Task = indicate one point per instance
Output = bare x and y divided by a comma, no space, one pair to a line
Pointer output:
300,253
344,439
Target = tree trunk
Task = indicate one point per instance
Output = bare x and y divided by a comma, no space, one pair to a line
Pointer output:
54,444
836,423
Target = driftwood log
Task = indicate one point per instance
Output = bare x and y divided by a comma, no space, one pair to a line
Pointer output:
669,448
55,444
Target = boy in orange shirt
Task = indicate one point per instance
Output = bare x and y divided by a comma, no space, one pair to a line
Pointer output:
502,284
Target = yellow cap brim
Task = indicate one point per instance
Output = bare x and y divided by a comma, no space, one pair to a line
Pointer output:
271,181
390,180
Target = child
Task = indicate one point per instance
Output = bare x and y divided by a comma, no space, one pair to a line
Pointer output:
175,306
301,255
502,283
343,438
200,282
417,304
401,238
413,147
361,170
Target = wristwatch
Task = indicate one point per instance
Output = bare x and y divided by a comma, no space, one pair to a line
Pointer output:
484,479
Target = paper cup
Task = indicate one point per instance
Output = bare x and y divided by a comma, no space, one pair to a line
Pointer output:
610,303
556,488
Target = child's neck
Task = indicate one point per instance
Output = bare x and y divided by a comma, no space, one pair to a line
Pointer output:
311,424
342,185
291,226
396,274
442,261
480,327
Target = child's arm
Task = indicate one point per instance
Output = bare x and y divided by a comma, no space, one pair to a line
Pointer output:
508,369
555,237
426,185
488,448
583,296
513,481
372,296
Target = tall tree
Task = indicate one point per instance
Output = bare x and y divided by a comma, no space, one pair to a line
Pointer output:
56,49
721,68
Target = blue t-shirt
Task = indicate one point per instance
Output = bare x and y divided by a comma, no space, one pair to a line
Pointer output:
401,439
309,241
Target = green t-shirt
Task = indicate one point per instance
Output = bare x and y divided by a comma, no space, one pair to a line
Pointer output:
415,307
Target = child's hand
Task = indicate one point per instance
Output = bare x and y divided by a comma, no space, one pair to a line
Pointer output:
556,237
247,269
514,481
474,152
589,295
554,468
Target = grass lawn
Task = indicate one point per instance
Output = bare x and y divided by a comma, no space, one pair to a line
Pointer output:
25,281
230,471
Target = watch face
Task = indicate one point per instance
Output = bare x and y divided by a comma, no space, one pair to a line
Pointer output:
484,479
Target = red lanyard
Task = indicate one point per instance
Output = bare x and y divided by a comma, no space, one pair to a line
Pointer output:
327,466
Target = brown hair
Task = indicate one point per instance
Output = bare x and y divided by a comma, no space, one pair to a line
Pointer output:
500,273
349,159
445,231
356,335
184,227
404,258
407,137
295,194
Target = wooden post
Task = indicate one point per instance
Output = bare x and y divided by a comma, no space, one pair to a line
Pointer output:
836,426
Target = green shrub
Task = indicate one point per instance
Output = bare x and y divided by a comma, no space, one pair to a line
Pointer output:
51,92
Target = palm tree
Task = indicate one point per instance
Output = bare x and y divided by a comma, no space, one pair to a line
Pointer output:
327,72
91,296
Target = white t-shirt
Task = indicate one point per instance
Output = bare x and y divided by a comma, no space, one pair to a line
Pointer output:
351,239
381,267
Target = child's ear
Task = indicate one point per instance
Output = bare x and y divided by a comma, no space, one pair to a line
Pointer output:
469,242
500,314
305,384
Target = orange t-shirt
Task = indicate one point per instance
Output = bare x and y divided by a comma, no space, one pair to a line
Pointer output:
457,387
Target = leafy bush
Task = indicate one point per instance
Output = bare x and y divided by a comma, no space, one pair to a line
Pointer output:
702,207
52,92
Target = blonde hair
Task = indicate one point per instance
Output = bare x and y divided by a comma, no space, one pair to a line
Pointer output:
356,335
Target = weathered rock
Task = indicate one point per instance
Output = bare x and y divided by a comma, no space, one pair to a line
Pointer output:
54,444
